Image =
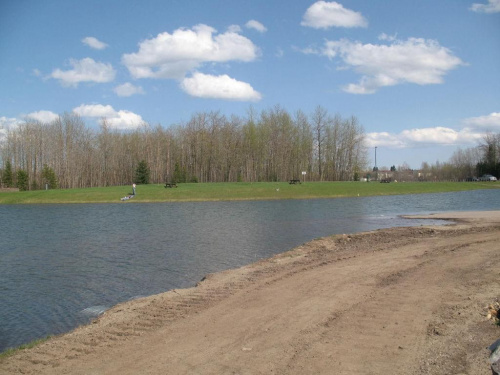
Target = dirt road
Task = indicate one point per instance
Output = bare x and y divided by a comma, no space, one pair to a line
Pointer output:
397,301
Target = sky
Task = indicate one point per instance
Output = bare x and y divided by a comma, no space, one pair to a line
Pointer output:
422,77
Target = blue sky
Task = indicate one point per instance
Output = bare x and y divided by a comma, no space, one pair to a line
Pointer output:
422,77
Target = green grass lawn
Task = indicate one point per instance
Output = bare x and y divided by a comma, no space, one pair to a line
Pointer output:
236,191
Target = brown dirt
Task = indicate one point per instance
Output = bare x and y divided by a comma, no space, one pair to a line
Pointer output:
396,301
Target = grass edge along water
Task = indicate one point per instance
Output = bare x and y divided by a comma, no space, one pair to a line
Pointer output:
221,191
11,351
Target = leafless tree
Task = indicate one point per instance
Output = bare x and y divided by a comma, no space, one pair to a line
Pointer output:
210,147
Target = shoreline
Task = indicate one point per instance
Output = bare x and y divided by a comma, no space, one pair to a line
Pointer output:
208,192
331,295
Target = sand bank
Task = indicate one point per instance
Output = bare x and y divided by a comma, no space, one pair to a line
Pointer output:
395,301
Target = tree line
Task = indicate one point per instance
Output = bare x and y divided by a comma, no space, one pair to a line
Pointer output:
272,145
464,164
480,160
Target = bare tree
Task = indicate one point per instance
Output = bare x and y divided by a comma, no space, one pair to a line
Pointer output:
319,122
270,146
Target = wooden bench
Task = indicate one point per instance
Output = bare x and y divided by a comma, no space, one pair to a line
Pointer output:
293,182
170,185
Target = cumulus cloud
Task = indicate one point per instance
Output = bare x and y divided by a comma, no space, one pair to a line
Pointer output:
128,89
95,110
6,124
437,135
84,70
94,43
424,136
489,122
416,60
43,116
219,87
234,29
323,15
173,55
9,122
115,119
256,25
383,139
493,6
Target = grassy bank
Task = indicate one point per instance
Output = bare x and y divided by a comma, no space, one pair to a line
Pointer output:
236,191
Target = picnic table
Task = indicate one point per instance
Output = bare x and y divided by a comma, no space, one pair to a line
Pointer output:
170,185
294,181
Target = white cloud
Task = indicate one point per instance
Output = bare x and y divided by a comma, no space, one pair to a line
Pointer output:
415,60
424,136
234,29
115,119
322,15
9,122
384,139
128,89
95,110
84,70
6,124
389,38
219,87
94,43
493,6
489,122
311,51
173,55
43,116
256,25
437,135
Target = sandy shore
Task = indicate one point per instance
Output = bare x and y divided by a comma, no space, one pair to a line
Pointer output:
396,301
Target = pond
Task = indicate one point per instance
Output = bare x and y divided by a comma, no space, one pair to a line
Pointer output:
62,265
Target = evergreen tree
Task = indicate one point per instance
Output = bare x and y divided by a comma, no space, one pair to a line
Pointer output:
49,177
22,180
142,173
179,174
7,175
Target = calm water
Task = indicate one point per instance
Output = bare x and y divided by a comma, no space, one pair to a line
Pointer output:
61,265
